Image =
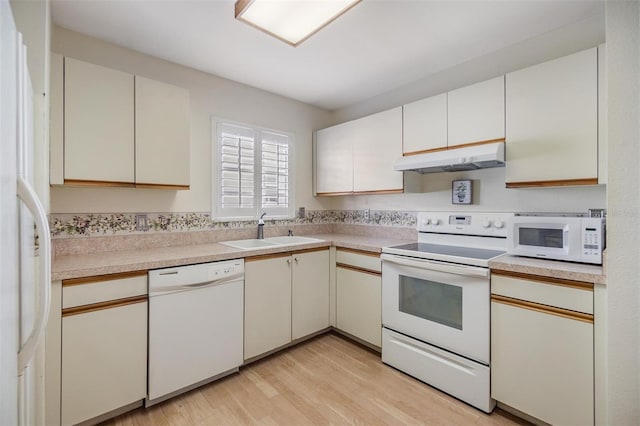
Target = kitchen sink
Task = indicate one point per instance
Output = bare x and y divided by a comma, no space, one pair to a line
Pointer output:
292,240
250,244
254,243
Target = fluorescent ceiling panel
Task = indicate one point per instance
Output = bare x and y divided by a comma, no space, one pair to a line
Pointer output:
292,21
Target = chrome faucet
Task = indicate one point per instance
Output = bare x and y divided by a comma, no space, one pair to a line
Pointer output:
261,227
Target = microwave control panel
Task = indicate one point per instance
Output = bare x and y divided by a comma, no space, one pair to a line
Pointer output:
593,240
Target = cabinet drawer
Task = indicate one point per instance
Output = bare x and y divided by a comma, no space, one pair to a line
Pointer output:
564,294
102,288
359,258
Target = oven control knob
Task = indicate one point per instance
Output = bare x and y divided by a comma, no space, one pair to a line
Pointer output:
486,223
435,221
498,223
426,222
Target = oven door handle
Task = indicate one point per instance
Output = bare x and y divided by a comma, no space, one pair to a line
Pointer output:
436,266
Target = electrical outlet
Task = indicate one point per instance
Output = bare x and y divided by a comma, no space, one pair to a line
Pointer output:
366,214
142,222
301,213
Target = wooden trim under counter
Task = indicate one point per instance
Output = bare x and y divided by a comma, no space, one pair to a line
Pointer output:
580,285
358,251
358,269
98,183
77,310
545,309
162,186
281,254
446,148
552,183
100,278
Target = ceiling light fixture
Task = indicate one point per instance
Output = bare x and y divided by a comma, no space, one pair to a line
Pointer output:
292,21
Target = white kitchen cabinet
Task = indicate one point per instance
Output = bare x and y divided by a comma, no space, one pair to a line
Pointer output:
378,144
162,134
552,122
357,157
359,295
424,125
476,113
310,293
542,351
104,345
286,298
98,124
334,159
109,128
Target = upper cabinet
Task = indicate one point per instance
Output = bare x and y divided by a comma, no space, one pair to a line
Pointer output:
109,128
424,125
469,115
162,134
476,113
552,122
98,124
357,157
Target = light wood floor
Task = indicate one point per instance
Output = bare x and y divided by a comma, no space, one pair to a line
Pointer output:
327,380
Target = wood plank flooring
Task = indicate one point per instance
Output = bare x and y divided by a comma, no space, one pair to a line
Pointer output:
327,380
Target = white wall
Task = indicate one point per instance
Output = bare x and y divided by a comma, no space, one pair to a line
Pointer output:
623,224
210,96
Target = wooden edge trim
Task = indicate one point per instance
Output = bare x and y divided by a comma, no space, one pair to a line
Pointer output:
380,192
98,183
76,310
267,256
358,269
445,148
580,285
310,250
358,251
241,5
564,182
162,186
100,278
551,310
333,194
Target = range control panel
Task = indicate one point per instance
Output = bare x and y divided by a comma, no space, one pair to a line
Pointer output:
475,223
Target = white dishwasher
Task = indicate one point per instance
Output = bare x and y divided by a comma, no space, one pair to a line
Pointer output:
195,326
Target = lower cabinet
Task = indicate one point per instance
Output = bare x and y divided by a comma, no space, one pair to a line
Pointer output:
104,346
286,298
542,348
359,295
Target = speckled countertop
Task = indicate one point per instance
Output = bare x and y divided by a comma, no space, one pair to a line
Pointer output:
111,262
550,268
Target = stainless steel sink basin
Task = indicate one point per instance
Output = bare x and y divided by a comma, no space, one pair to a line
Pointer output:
250,244
292,240
254,243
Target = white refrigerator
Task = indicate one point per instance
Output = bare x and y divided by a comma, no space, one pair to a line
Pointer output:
25,244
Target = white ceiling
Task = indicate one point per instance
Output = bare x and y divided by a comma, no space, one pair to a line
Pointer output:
375,47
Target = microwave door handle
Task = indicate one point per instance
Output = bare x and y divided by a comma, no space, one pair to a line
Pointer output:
437,266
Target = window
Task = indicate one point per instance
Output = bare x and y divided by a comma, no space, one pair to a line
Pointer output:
252,172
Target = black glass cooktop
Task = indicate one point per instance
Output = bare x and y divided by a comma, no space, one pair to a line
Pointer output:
468,252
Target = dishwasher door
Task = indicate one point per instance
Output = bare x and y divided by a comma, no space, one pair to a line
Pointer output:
195,326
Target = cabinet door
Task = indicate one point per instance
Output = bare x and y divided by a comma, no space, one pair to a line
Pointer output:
104,361
267,304
552,122
162,134
542,364
424,124
359,304
334,159
310,293
378,144
476,113
98,123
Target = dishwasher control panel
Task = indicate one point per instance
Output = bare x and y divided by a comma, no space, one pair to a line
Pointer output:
162,280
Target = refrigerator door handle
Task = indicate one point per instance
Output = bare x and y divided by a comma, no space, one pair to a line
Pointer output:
30,199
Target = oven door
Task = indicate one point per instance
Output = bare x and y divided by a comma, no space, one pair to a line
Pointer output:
444,304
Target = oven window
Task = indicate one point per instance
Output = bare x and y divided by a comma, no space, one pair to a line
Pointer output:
430,300
540,237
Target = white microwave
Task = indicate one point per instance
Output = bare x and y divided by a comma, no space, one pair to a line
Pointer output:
570,238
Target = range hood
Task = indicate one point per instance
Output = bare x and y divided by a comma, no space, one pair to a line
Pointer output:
472,157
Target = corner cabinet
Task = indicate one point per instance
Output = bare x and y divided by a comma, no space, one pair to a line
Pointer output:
357,157
286,298
552,122
113,129
542,347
